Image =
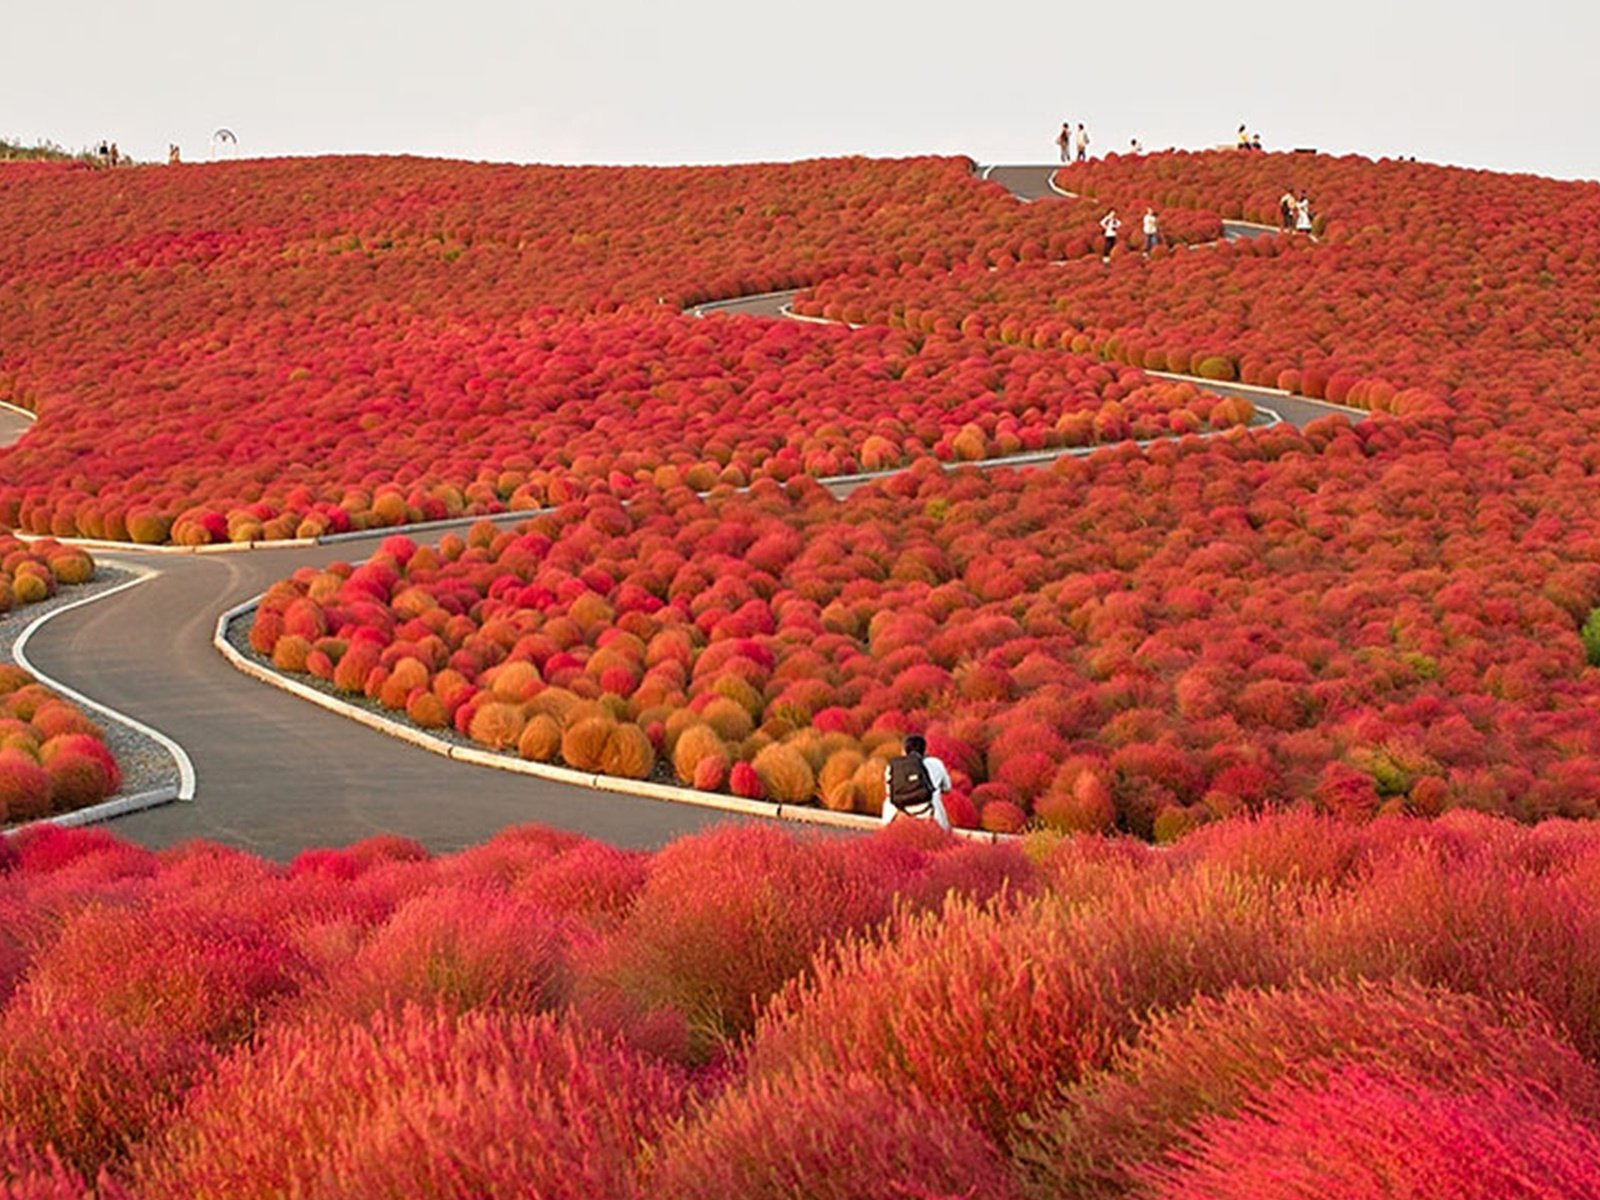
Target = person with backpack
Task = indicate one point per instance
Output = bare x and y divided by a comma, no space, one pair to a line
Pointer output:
1064,140
914,785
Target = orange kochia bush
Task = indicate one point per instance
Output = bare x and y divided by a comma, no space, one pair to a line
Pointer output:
1137,640
545,1015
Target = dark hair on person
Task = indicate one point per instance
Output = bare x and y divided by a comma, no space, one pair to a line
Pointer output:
916,744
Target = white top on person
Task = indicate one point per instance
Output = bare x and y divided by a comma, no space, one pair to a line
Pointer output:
938,780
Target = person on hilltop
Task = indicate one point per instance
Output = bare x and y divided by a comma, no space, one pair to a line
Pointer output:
1243,140
1064,141
1302,213
1152,230
914,785
1135,147
174,155
1286,210
1083,142
1255,141
1110,224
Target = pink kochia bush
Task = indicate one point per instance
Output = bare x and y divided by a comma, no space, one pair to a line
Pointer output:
746,1013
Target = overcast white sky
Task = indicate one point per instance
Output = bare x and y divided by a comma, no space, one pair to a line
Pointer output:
1509,86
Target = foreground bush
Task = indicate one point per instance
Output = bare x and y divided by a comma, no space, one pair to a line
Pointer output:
749,1013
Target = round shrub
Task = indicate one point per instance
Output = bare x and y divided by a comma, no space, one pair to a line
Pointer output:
697,742
1216,367
458,949
76,780
583,745
785,775
1209,1058
730,720
1367,1135
416,1104
628,753
827,1138
24,788
541,739
497,725
711,773
836,780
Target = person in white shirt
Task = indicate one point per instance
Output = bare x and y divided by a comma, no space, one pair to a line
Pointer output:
1110,224
1152,230
1302,219
938,779
1135,147
1083,142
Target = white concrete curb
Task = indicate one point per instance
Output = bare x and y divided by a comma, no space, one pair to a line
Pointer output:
19,651
18,410
434,744
106,810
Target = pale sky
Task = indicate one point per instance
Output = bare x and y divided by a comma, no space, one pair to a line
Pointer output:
1508,86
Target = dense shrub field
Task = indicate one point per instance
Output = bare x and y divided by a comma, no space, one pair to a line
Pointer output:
258,350
1139,641
1276,1006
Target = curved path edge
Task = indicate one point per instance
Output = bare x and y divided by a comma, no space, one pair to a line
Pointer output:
643,789
19,652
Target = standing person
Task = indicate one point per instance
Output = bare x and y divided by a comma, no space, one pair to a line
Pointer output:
1110,224
1286,210
1302,209
1134,148
1083,142
914,785
1244,139
174,155
1064,141
1152,230
1255,141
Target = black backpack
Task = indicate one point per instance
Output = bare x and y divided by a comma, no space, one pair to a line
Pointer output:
909,787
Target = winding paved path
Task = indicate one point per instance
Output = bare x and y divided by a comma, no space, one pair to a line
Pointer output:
275,774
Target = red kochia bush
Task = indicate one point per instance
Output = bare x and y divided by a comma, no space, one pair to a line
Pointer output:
460,949
421,1104
827,1138
726,918
907,1011
1209,1058
177,968
85,1085
1365,1135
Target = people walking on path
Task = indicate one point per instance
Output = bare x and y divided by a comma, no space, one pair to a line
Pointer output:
1302,213
1152,230
1110,224
1286,210
914,785
1083,142
1064,141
